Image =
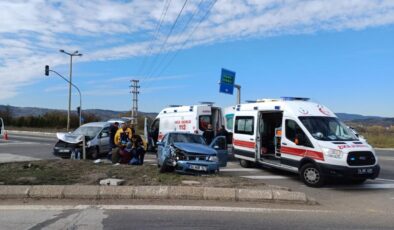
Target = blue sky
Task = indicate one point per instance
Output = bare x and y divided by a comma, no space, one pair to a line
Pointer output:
339,53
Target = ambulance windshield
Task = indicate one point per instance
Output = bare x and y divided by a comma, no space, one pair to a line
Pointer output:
328,129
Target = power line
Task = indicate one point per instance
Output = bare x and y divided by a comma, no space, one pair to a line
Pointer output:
168,35
155,35
166,53
188,38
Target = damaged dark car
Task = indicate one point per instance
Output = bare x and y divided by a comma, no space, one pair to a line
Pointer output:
188,153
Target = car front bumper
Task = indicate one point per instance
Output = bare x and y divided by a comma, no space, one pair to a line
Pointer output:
66,152
365,172
197,166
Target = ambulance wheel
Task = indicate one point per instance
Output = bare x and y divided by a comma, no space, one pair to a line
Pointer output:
246,164
311,175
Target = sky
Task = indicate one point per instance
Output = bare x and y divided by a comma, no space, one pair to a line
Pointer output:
338,53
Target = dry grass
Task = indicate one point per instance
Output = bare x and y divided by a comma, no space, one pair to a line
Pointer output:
67,172
378,136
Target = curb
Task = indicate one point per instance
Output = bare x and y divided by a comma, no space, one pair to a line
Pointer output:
32,133
385,149
94,192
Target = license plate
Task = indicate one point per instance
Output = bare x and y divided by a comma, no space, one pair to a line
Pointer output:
64,150
365,171
198,167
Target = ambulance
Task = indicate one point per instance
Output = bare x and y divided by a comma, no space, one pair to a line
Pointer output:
185,118
303,137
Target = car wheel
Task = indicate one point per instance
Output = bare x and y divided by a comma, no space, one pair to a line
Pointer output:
311,175
165,168
246,164
95,153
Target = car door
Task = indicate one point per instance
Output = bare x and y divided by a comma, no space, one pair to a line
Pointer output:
104,140
161,146
220,145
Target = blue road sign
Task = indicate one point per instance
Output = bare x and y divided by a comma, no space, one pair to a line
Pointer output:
227,81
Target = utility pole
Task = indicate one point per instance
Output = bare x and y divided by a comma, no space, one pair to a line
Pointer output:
76,53
134,110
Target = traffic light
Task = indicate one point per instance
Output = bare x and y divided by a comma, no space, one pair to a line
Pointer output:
47,70
78,110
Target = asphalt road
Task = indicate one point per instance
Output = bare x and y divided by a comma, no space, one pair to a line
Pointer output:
180,216
350,206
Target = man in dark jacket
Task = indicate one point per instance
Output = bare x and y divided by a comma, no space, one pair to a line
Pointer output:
208,134
112,131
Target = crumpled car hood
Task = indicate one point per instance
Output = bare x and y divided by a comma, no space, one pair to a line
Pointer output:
195,148
69,138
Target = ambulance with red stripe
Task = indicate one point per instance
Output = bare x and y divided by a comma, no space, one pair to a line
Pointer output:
303,137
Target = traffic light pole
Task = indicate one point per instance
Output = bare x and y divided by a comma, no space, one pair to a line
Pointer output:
80,95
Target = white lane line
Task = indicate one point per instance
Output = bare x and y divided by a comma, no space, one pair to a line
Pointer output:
367,186
382,179
157,208
265,177
239,170
23,143
386,158
9,157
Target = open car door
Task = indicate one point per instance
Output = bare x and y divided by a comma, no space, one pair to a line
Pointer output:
220,145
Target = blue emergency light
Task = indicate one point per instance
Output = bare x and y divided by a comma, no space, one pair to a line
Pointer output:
295,98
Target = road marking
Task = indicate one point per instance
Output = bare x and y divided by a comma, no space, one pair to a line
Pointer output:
9,157
386,158
156,208
382,179
239,170
265,177
23,143
366,186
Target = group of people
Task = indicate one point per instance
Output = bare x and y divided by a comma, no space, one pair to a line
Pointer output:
209,134
127,147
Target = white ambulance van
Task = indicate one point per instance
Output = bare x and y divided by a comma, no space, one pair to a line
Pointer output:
193,119
300,136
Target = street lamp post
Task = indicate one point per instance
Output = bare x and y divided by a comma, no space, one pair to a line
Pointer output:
47,70
76,53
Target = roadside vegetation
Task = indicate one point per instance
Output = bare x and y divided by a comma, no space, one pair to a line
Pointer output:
377,136
69,172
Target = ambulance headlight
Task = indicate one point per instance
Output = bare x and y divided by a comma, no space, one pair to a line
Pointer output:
213,158
333,153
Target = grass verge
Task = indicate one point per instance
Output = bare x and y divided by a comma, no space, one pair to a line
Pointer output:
69,172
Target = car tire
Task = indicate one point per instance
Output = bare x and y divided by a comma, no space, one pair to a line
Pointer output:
95,153
246,164
311,175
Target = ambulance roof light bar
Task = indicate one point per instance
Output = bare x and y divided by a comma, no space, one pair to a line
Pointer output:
295,98
207,103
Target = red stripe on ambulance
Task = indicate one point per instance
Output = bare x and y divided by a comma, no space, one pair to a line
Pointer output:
302,153
246,144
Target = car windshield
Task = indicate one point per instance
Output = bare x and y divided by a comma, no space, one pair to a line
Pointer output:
88,131
328,129
186,138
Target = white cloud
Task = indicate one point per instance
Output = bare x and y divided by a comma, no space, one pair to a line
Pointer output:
31,32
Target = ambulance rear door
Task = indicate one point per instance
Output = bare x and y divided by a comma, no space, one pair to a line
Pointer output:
244,136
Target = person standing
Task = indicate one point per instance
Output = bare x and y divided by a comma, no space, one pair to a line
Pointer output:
112,131
208,134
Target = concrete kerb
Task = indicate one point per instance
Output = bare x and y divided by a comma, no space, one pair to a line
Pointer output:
152,192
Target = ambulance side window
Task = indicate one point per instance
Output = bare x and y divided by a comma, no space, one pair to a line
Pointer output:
295,134
244,125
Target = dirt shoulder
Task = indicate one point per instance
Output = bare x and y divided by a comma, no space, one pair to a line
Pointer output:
70,172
